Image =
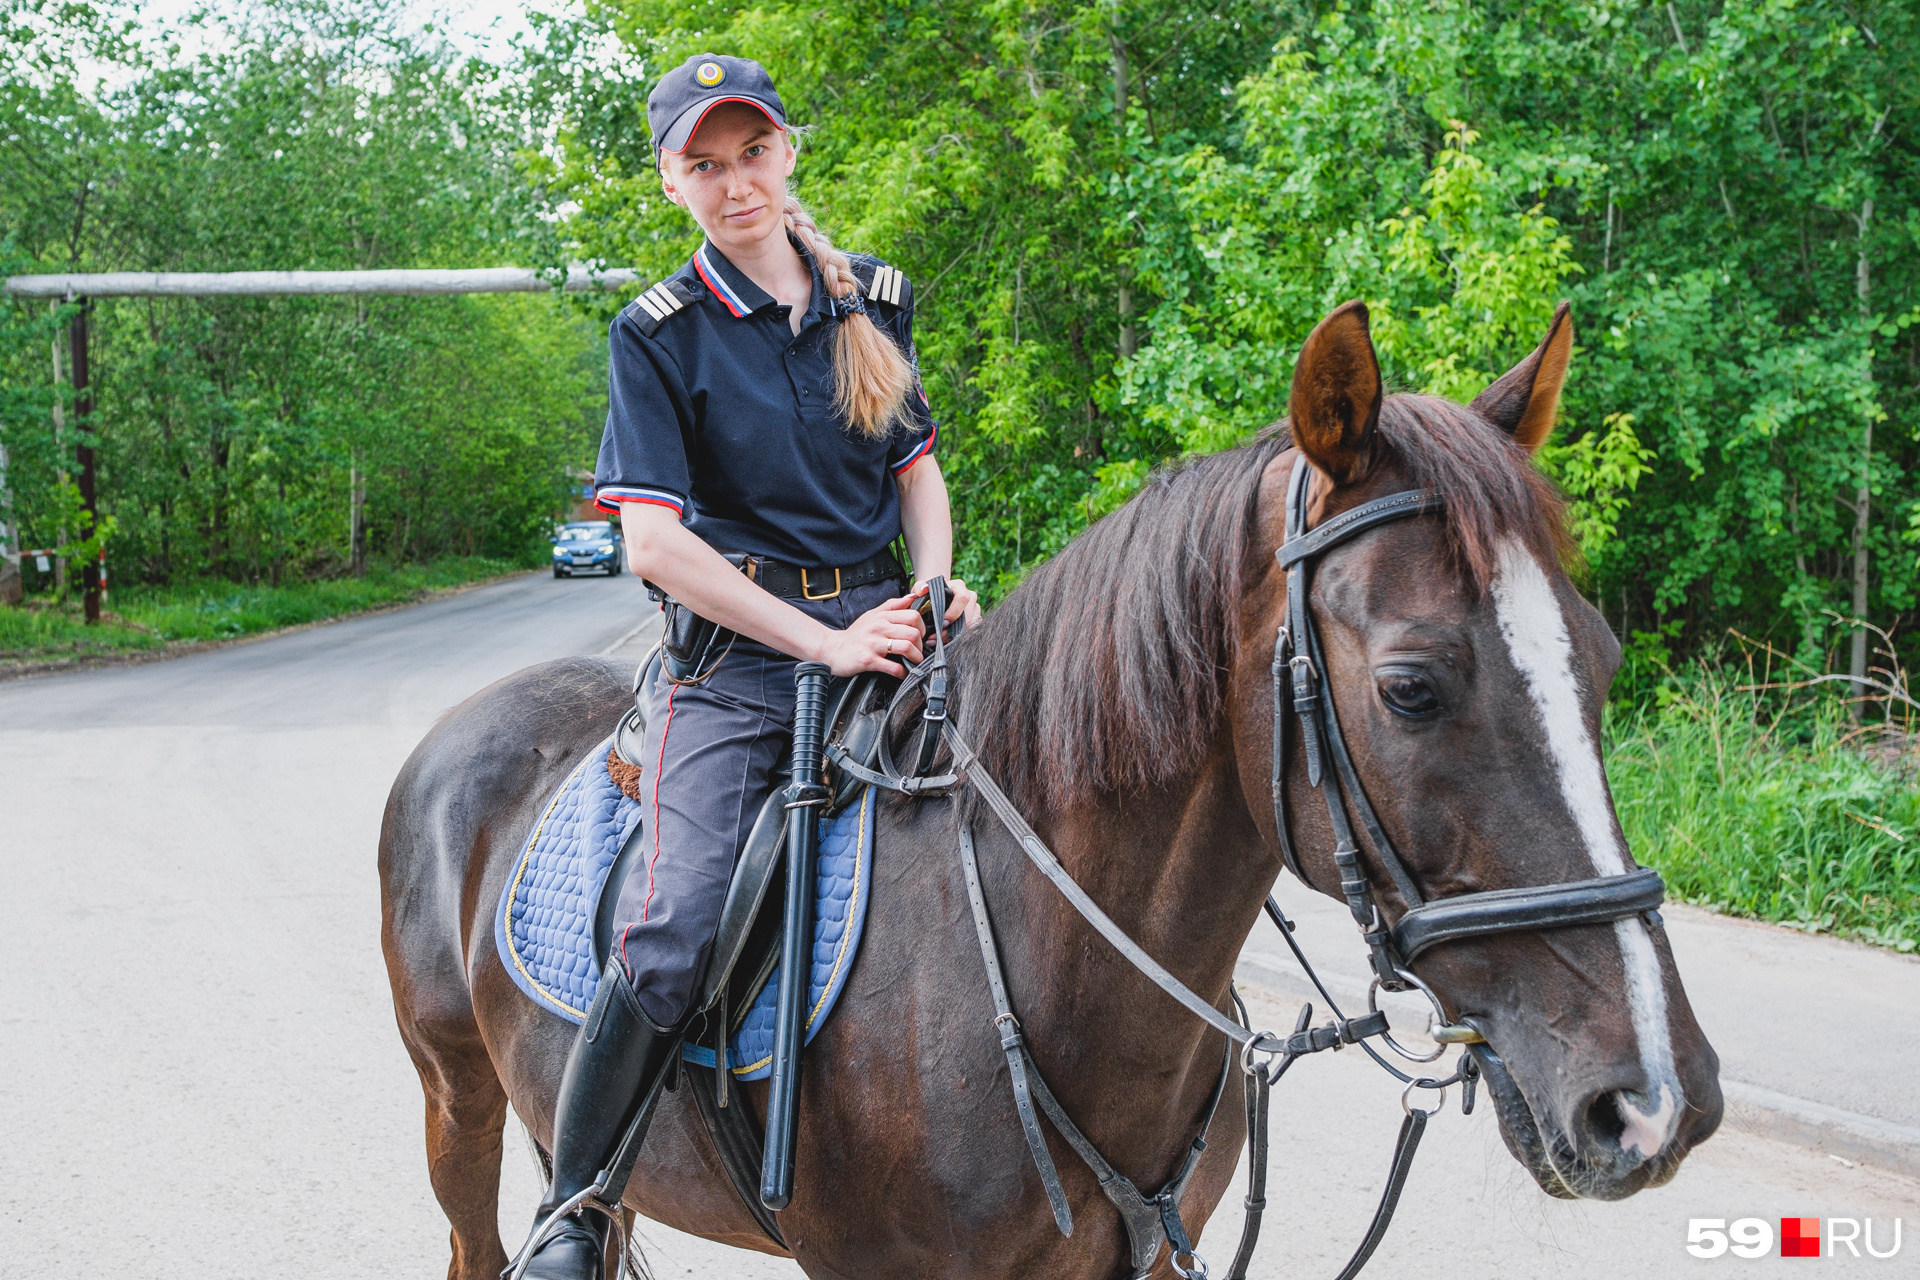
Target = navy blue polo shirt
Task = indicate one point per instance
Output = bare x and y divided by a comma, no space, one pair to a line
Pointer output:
718,411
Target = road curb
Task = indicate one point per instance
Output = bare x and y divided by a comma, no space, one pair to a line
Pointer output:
1753,1108
1819,1127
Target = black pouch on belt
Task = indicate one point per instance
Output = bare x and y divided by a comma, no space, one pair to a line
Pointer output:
692,646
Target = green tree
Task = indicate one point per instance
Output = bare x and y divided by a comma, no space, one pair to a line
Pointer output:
1117,261
230,431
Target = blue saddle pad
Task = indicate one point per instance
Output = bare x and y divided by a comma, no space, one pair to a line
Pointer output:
543,928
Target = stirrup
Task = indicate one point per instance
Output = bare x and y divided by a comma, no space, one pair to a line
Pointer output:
543,1230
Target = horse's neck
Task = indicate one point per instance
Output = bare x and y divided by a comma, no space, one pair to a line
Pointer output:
1183,872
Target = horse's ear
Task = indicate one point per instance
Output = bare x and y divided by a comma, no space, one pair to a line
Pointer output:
1525,400
1335,400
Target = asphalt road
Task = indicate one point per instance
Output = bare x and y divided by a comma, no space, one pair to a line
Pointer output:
199,1074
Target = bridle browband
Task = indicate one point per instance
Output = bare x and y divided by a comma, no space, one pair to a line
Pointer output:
1297,651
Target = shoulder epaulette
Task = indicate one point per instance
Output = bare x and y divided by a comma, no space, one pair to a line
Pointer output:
884,284
661,300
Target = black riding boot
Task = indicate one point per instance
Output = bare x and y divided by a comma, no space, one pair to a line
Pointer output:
616,1066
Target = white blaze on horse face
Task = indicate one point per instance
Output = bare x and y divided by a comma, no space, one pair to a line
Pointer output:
1535,630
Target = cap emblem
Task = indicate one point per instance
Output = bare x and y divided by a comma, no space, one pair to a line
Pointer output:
709,74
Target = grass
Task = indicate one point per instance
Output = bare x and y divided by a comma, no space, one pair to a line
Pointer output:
48,631
1780,812
144,618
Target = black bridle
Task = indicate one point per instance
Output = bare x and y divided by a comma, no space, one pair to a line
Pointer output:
1425,923
1299,663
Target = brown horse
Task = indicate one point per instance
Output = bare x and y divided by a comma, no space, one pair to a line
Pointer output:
1122,696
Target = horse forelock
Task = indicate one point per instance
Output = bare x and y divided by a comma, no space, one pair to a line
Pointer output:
1106,669
1493,490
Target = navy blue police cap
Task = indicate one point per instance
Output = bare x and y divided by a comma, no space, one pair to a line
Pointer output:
685,94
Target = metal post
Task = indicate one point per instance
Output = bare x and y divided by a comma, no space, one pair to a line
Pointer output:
59,445
356,517
11,588
83,448
804,797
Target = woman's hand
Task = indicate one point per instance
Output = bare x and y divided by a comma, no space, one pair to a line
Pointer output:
876,639
962,600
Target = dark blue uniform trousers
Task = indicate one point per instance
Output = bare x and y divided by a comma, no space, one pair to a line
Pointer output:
712,751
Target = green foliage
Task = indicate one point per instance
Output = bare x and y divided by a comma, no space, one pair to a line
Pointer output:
1750,809
1598,472
149,617
299,136
977,146
1117,262
1122,219
219,611
1492,271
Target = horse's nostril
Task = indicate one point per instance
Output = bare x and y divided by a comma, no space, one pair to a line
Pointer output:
1620,1118
1604,1121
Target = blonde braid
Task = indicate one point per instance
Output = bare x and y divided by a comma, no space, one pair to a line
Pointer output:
871,377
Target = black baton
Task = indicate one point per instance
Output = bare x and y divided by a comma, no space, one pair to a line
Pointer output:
804,795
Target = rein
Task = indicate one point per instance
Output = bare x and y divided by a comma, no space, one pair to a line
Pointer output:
1155,1220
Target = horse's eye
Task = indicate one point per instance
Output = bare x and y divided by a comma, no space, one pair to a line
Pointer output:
1408,695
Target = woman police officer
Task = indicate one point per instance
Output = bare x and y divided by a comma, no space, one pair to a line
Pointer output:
763,404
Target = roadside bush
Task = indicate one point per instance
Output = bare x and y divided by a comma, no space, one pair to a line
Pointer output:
1780,809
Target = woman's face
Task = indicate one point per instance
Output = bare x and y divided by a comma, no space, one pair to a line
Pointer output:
733,176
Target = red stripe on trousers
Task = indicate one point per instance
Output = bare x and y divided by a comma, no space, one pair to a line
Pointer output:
665,729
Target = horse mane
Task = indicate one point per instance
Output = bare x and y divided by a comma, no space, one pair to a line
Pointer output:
1106,669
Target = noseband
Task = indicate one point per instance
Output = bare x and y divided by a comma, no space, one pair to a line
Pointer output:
1425,924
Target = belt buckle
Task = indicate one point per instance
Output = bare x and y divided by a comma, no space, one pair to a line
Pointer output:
806,591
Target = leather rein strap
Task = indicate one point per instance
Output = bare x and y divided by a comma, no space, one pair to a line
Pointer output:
968,764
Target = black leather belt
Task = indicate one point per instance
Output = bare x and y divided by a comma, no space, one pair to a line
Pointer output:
790,582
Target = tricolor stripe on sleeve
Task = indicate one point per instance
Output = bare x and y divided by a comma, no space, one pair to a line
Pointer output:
609,498
920,451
